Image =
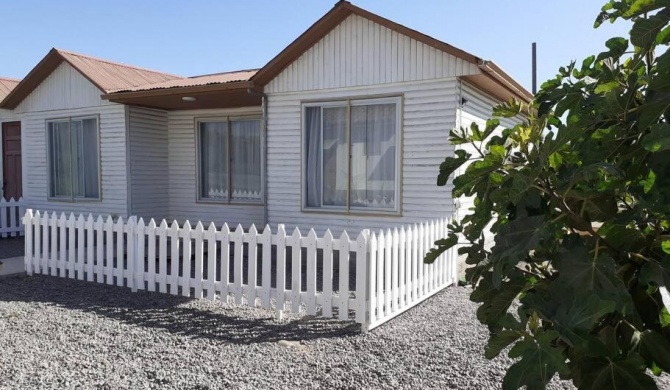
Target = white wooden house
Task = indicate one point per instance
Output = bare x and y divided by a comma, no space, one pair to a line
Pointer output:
344,129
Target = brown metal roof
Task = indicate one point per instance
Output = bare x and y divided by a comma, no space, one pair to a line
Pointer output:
6,86
195,81
106,75
500,81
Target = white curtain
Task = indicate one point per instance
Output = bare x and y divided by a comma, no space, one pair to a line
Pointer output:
73,154
60,162
245,148
335,156
373,156
313,155
213,161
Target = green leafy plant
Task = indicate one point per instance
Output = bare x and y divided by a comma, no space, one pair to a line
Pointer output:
576,198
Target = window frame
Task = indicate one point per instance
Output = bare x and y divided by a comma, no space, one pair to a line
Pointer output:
349,102
72,198
198,162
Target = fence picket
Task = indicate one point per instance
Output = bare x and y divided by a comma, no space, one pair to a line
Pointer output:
343,310
45,243
109,250
120,252
36,223
138,261
225,262
71,252
266,240
237,237
89,248
28,243
388,273
395,267
372,280
151,255
281,270
311,273
402,260
53,242
198,248
381,272
361,278
62,253
327,287
131,255
99,252
210,236
186,259
252,261
173,233
161,231
296,270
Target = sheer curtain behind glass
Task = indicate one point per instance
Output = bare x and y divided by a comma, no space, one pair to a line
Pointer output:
59,159
373,156
213,161
313,156
335,156
245,168
74,160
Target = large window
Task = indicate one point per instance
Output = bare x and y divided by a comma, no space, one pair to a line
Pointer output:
351,155
229,160
74,161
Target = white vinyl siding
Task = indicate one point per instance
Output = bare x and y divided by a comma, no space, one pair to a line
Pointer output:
149,183
65,88
184,204
360,52
66,93
428,113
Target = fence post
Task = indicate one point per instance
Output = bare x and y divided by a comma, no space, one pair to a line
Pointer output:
363,291
131,250
28,243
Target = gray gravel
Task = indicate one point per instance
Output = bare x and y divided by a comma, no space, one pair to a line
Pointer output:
58,333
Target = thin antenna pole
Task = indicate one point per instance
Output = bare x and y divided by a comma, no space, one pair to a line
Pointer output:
534,68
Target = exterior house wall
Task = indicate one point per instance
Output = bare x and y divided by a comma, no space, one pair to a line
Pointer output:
66,93
149,169
360,59
182,151
6,116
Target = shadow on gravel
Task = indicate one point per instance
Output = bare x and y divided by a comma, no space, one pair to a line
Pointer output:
163,311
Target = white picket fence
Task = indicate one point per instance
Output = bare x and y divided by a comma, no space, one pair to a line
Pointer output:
11,212
369,279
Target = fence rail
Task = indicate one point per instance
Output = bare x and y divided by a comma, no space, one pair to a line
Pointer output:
369,279
11,212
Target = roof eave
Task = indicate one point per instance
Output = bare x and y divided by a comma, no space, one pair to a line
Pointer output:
120,96
506,81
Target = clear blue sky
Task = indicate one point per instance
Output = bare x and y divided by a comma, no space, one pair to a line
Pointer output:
199,37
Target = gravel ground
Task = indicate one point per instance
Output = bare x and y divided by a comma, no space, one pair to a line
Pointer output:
58,333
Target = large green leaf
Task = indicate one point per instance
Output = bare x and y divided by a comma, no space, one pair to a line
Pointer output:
621,374
655,349
496,301
658,139
645,30
575,320
539,362
450,165
585,275
500,341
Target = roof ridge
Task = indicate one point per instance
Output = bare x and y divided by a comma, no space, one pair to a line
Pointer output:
68,52
227,72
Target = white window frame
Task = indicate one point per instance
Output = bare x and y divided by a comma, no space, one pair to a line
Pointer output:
198,168
72,198
351,102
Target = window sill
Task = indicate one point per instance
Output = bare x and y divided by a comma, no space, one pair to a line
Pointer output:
354,213
228,203
76,200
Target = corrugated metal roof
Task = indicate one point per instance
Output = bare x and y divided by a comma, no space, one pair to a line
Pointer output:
111,76
218,78
6,86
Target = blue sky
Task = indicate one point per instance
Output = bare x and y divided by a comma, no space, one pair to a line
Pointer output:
200,37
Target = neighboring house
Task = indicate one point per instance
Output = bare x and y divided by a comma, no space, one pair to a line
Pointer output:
344,129
10,146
